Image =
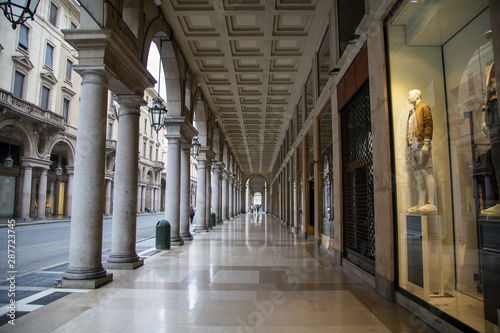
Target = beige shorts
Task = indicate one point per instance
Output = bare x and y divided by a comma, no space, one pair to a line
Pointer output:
418,160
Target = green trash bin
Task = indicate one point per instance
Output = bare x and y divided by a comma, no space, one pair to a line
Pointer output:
163,235
212,219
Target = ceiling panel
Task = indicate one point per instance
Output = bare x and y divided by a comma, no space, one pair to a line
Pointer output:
252,58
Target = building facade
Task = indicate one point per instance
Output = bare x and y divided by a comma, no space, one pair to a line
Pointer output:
40,99
381,135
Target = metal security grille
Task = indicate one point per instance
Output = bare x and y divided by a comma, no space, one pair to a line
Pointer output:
357,167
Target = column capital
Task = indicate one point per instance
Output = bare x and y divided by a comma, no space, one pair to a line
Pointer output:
97,46
94,74
130,102
173,126
206,154
27,161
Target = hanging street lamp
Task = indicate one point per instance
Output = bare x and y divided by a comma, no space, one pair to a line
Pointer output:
18,11
8,161
195,150
158,112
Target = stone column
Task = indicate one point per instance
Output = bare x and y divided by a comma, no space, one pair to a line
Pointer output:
42,194
88,202
219,180
239,198
231,197
185,191
201,188
107,203
143,198
215,192
265,199
208,195
139,200
26,197
69,191
172,201
124,223
224,196
247,199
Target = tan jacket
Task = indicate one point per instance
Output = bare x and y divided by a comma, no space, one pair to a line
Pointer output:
424,122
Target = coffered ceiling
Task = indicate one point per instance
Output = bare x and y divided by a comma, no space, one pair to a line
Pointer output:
252,58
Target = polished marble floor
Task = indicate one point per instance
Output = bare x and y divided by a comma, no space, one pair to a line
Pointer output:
247,275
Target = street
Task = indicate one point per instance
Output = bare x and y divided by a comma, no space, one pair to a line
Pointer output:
41,245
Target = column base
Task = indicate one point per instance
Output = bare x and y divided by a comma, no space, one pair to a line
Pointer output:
125,258
26,219
83,284
84,274
177,242
186,236
123,265
200,228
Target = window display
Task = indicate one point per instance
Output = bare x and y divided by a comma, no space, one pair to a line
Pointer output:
446,146
419,132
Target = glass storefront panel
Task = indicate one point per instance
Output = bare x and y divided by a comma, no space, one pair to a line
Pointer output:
326,135
7,195
301,189
445,120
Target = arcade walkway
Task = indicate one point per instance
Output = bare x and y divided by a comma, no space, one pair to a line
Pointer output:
247,275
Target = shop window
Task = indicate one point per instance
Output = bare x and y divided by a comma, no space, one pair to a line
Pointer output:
324,62
309,95
325,132
351,12
300,115
447,159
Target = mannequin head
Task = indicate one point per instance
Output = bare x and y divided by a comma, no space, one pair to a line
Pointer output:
414,96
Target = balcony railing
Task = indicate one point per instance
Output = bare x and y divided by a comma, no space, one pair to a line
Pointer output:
157,165
20,107
110,145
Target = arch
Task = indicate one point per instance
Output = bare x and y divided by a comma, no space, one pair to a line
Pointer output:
66,146
157,28
149,176
27,145
246,178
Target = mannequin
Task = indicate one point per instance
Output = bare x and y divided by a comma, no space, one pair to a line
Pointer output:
419,136
491,126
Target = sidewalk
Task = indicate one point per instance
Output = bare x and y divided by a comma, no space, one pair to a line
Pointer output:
247,275
19,222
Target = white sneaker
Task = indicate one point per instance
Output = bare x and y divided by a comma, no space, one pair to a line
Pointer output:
495,210
428,208
413,209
